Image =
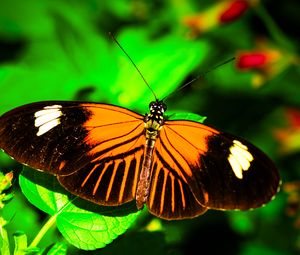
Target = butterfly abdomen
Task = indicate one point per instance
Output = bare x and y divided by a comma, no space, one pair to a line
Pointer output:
142,191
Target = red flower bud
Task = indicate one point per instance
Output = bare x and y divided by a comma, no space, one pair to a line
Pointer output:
293,115
218,14
252,60
265,61
235,10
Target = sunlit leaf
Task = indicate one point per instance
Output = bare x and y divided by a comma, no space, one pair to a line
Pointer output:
83,224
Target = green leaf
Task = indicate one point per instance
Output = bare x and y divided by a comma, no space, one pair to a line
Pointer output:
32,21
73,58
186,116
85,225
58,249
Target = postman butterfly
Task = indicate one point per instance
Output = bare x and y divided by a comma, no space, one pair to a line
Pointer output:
111,155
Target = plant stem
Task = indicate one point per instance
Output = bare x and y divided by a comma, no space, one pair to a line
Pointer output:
274,30
43,231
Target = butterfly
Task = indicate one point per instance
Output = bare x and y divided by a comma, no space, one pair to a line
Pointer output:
111,155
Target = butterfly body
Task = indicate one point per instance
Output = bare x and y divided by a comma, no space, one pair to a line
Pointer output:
153,124
110,155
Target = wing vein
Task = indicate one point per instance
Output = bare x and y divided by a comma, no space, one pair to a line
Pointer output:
171,155
181,136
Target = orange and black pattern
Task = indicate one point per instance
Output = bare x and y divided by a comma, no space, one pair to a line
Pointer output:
97,152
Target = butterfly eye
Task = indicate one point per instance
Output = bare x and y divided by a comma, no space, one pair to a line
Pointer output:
164,106
152,105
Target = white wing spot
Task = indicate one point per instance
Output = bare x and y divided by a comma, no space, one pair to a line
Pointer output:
239,158
47,118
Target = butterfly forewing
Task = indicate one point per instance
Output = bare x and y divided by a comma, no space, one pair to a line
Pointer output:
43,135
95,150
236,174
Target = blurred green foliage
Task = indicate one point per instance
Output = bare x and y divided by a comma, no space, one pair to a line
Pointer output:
61,50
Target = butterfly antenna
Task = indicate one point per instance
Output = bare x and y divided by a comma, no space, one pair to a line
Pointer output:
135,66
199,76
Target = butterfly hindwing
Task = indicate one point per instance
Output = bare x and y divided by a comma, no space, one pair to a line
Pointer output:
105,182
95,150
170,196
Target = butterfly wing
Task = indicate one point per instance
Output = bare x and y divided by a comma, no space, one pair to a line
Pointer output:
95,150
199,167
170,196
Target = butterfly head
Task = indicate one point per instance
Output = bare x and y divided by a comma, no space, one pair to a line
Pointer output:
157,109
155,119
